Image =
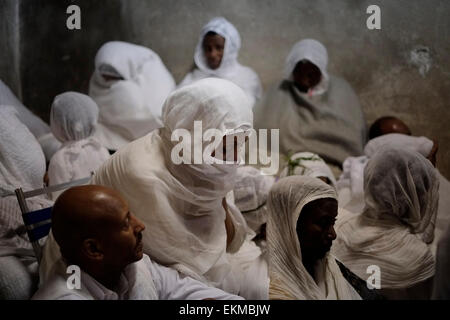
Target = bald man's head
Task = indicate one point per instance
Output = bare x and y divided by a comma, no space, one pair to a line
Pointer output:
92,224
387,125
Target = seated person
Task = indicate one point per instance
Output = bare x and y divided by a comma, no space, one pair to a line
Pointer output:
386,125
401,192
314,111
22,165
96,232
73,119
216,55
300,232
193,227
38,128
129,85
308,164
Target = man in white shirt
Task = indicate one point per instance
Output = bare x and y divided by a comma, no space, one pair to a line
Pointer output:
101,245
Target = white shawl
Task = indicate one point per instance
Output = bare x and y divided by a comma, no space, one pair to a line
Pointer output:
401,201
289,278
129,108
229,68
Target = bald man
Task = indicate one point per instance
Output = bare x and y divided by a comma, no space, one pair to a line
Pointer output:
100,237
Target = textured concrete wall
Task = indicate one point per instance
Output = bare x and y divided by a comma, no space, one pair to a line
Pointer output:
379,64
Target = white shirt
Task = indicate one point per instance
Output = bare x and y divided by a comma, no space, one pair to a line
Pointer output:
144,280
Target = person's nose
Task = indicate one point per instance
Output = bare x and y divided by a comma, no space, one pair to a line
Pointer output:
138,225
332,234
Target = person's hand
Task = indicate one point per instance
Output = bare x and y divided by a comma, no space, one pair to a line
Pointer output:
433,152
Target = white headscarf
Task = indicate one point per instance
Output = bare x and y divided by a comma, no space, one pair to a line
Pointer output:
250,195
35,124
229,68
289,278
73,119
308,164
129,108
401,196
181,205
313,51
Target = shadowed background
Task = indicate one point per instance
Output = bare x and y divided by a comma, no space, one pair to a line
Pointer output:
401,70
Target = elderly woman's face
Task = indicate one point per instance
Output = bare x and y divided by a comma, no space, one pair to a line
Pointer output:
315,228
213,47
306,75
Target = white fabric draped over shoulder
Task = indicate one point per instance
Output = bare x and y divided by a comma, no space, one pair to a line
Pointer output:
250,195
131,107
22,165
401,201
327,120
289,278
230,68
73,119
181,205
36,125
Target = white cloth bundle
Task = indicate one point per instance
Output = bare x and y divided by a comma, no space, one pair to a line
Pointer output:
73,119
129,108
230,68
250,195
308,164
401,197
289,278
35,124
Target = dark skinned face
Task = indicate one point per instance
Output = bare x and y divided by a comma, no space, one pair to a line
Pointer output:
315,228
306,75
213,47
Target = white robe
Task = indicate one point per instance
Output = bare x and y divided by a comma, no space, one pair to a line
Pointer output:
142,280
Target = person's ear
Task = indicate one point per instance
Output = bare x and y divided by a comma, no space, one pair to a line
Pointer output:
92,249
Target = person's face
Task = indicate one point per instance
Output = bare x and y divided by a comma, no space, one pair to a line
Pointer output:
315,228
213,46
231,148
122,237
306,75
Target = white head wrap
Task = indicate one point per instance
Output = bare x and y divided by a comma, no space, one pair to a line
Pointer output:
422,145
401,195
36,125
250,195
22,162
73,119
181,205
289,278
308,164
229,68
313,51
129,108
73,116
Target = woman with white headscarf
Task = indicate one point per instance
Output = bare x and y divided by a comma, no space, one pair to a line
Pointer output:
401,191
216,55
315,111
73,119
22,165
129,84
189,224
302,211
38,128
